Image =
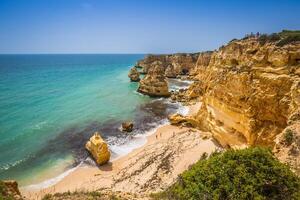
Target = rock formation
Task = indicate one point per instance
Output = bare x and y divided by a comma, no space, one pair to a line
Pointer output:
248,91
287,143
9,190
170,72
154,83
172,64
134,75
98,149
127,126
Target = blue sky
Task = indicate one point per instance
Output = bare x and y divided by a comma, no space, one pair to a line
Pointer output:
137,26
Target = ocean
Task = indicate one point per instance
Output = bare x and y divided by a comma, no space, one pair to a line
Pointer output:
51,104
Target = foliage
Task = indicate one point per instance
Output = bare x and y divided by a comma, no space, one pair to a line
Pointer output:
2,192
288,136
281,39
288,39
84,195
234,39
251,173
264,38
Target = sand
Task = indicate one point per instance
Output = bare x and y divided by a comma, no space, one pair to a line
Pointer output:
150,168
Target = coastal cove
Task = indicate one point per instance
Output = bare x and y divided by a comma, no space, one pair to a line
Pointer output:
168,126
51,105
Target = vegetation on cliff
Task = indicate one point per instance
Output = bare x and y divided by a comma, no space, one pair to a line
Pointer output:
282,38
252,173
9,190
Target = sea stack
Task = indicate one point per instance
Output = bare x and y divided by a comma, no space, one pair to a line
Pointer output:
134,75
154,84
127,126
98,148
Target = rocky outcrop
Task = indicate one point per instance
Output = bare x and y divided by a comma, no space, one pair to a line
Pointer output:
134,75
127,126
172,65
9,190
170,72
248,91
154,83
202,61
98,149
287,146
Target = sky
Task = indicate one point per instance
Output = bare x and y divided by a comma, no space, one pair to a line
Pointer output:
137,26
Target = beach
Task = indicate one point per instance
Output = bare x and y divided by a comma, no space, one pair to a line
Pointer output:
169,151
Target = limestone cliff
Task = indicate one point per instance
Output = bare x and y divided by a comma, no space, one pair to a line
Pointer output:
154,83
248,90
172,64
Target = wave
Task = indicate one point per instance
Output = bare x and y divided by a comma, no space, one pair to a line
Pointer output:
148,118
10,165
50,182
121,150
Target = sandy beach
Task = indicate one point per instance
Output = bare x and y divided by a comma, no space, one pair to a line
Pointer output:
150,168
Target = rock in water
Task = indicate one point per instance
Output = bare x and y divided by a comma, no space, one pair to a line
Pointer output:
134,75
98,148
127,126
154,83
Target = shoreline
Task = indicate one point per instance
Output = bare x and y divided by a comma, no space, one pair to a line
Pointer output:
89,178
137,140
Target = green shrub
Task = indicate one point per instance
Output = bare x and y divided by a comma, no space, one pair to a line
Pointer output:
288,39
264,38
288,136
251,173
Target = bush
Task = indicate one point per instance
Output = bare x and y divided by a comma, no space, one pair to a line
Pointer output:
251,173
264,38
288,136
288,39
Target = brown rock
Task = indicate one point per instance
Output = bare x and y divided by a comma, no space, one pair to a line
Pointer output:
170,72
154,83
176,119
248,91
98,149
134,75
127,126
10,190
287,146
174,64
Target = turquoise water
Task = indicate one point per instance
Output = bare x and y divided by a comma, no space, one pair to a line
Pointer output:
50,105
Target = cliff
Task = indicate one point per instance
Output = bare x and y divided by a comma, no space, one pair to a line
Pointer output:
154,83
173,64
248,91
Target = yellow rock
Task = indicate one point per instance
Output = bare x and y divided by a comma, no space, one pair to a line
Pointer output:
98,148
176,119
248,91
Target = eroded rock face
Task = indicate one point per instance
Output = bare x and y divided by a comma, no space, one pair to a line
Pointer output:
170,72
134,75
248,91
172,65
154,83
98,149
10,190
287,146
